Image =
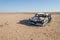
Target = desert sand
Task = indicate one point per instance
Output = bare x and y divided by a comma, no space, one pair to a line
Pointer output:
13,27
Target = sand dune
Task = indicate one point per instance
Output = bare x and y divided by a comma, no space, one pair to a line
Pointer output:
12,29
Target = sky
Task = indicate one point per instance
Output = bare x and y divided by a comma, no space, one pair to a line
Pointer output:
29,5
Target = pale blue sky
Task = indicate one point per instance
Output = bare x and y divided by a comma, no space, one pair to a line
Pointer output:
29,5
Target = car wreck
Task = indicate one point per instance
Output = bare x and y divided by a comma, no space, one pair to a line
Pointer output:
40,19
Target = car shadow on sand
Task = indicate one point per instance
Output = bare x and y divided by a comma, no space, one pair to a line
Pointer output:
25,22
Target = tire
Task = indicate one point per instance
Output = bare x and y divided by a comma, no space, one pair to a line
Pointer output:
49,19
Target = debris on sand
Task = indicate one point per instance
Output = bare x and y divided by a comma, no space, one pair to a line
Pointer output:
6,23
31,39
1,25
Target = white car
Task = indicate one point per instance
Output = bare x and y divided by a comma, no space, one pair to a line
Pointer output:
40,19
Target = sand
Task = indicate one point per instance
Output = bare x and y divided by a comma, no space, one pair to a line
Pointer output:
13,27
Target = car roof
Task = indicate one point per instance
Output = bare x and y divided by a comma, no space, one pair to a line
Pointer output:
40,13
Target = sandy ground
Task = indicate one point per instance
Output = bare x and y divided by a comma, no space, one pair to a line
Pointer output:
12,29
